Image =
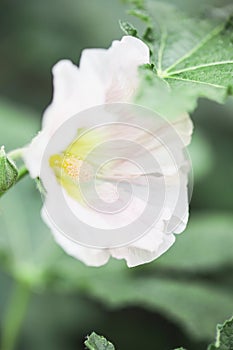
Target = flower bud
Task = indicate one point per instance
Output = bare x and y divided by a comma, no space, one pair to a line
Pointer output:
8,172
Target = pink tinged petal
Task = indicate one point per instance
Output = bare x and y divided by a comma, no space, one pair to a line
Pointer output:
108,193
154,141
89,256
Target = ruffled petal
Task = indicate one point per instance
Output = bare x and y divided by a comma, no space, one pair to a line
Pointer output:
135,256
117,67
104,75
73,92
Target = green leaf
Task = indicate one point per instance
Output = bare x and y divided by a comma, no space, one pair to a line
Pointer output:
193,304
97,342
196,306
224,339
191,58
202,155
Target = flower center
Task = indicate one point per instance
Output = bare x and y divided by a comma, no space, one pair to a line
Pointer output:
72,166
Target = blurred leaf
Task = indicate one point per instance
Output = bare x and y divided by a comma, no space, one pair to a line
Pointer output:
224,339
195,305
26,245
18,124
205,245
202,155
58,321
188,60
41,38
191,7
97,342
216,122
139,4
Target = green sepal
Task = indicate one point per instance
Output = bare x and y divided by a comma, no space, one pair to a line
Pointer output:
128,28
8,171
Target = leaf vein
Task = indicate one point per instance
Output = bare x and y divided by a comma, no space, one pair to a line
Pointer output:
197,82
208,37
204,65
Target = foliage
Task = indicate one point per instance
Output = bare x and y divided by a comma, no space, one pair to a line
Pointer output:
191,56
224,339
190,286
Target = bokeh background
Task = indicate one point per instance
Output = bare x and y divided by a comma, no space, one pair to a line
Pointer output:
176,300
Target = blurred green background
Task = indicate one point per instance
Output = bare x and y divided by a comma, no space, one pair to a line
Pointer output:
176,300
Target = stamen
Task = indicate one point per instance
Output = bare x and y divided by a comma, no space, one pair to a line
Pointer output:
72,166
77,168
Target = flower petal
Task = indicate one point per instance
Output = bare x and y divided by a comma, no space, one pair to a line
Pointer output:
73,92
89,256
135,256
116,67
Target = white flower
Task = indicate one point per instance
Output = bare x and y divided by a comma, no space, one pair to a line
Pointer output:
106,76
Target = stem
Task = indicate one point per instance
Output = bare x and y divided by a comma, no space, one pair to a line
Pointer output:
15,315
16,153
23,171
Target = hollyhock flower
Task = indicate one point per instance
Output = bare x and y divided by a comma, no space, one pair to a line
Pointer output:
105,77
